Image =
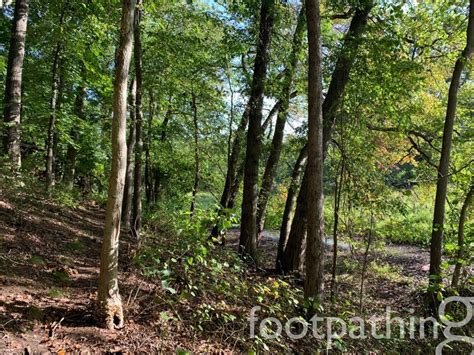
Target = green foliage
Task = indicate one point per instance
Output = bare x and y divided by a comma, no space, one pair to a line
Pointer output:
55,292
191,268
36,260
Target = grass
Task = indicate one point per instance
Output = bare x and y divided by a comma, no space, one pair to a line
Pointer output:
36,260
56,292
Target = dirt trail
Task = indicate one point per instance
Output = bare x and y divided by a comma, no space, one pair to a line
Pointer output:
49,259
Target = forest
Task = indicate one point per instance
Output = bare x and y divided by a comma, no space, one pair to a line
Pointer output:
237,176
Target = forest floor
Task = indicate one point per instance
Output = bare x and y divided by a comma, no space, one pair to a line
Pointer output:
49,265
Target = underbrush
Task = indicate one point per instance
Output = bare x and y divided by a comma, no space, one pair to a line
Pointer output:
33,185
209,290
217,288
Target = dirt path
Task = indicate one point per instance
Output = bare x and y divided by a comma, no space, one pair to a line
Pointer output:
49,259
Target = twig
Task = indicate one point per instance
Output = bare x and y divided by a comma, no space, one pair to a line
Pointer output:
53,328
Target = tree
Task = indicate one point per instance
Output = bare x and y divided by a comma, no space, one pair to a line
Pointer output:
128,189
12,101
109,300
277,141
196,154
443,167
137,178
248,226
289,204
313,284
292,255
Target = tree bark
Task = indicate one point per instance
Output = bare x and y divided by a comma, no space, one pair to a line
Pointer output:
291,259
12,101
109,300
364,262
248,226
435,277
277,140
314,279
54,106
128,190
50,180
148,172
137,178
289,204
337,204
460,251
196,155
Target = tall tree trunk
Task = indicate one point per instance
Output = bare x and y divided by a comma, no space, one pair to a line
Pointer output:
460,251
337,204
291,259
58,169
128,190
71,154
109,300
12,101
314,279
151,114
248,226
54,107
435,278
277,141
137,178
50,180
365,260
289,204
196,155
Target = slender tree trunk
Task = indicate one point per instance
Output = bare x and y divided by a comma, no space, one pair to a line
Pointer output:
291,259
137,178
231,118
232,176
365,262
70,172
248,226
109,300
196,155
435,277
277,141
460,251
50,180
314,280
151,114
289,204
128,190
58,170
54,107
337,204
12,101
